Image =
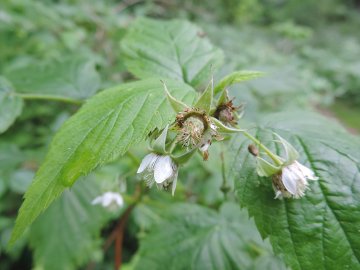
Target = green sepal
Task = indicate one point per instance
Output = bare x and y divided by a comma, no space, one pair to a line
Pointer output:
222,128
224,97
159,145
205,100
265,168
236,77
291,153
177,105
183,158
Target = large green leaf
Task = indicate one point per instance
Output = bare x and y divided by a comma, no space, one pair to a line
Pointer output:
73,78
320,230
10,105
194,237
174,49
104,128
67,234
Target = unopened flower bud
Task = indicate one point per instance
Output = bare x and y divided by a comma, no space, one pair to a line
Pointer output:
253,150
226,113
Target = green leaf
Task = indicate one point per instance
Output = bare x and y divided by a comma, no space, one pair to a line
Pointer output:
70,79
68,234
10,105
104,128
236,77
170,49
320,230
194,237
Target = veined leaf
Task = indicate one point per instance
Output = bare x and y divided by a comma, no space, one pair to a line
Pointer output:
68,233
236,77
174,49
194,237
10,105
321,229
74,78
104,128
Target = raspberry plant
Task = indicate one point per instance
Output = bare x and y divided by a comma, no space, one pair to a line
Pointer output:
190,121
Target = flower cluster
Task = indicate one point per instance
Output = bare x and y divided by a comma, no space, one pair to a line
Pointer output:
197,126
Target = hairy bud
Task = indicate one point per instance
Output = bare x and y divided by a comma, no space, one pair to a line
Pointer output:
226,113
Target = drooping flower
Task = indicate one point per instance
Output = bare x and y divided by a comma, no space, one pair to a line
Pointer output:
109,199
289,177
159,169
291,181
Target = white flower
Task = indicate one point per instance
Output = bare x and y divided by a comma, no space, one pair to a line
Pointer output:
108,199
159,169
292,181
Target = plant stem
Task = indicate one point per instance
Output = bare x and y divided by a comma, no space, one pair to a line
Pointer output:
119,236
46,97
263,147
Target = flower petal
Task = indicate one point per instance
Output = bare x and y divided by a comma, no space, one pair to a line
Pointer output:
278,194
308,173
97,200
119,200
163,169
147,161
107,199
289,179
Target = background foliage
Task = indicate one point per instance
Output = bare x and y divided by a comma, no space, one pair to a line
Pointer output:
56,54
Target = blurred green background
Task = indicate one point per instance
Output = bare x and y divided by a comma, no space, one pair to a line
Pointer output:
315,44
309,49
